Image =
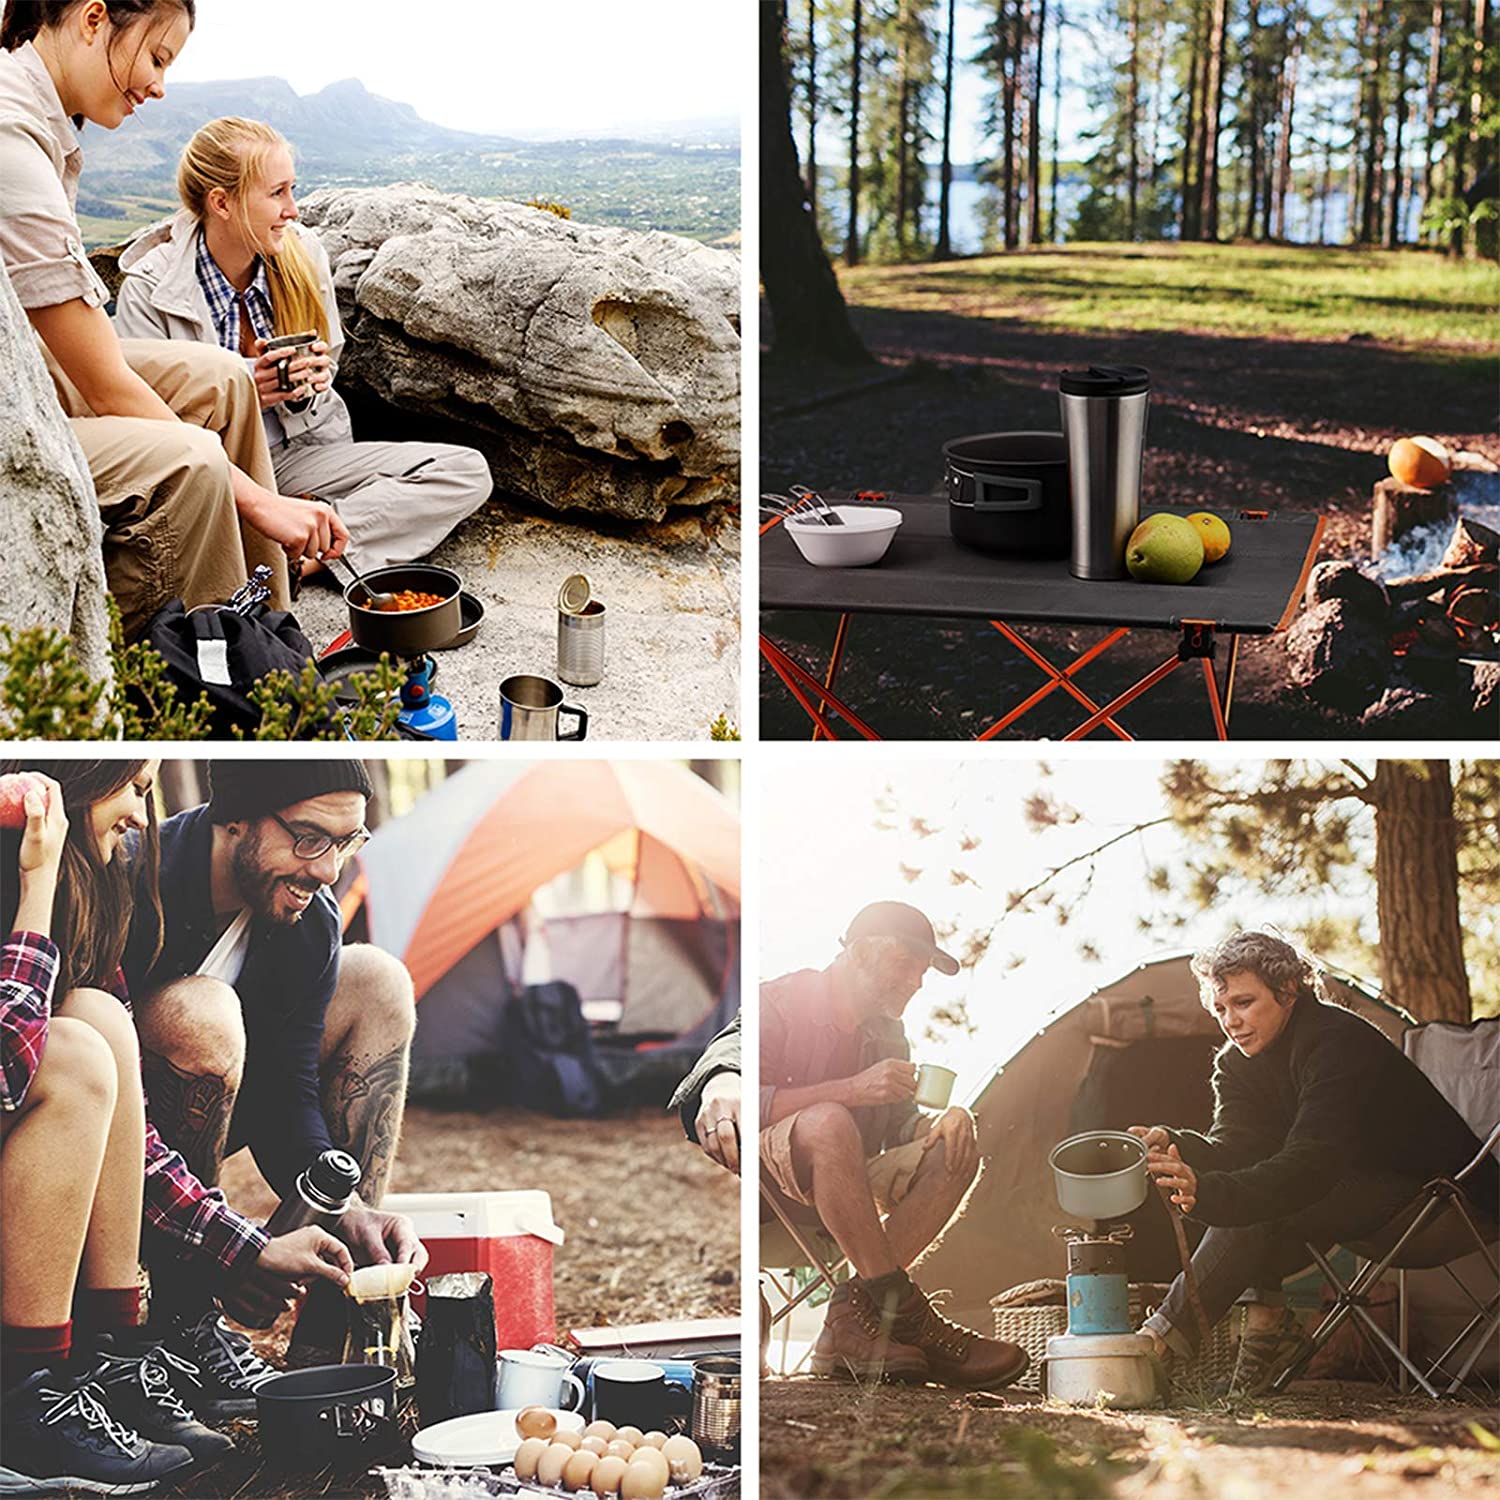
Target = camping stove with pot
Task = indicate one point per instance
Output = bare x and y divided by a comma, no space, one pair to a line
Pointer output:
1099,1361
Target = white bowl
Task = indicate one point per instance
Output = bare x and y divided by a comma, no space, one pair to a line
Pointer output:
862,539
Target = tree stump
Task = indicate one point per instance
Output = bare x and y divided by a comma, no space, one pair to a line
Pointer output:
1400,509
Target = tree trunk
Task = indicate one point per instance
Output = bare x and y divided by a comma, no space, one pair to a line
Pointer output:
1213,105
851,239
1008,133
1481,148
808,316
1254,88
945,182
1434,72
812,110
903,107
1403,57
1133,122
1034,136
1369,228
1057,83
1288,119
1416,883
1187,214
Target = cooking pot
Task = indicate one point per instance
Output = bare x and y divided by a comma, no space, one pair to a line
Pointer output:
1100,1174
1008,493
344,1415
407,632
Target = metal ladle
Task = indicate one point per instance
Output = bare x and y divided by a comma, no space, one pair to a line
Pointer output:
376,599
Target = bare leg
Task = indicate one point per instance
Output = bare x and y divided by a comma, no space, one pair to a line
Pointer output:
49,1174
111,1254
830,1157
931,1203
193,1045
363,1060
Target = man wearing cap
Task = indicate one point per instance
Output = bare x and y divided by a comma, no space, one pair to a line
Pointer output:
842,1139
259,1029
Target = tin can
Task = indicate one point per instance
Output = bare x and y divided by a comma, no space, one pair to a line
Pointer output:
580,645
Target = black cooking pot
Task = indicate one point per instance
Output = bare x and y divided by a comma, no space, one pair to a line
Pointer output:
344,1415
1008,493
408,632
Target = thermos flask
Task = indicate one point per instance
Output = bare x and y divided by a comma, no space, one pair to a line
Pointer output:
1104,423
319,1196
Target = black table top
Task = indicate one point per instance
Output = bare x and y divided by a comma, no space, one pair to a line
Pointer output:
1252,591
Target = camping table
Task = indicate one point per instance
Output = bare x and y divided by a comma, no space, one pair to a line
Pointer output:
1253,591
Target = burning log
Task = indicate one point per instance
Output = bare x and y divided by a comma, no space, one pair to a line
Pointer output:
1343,580
1471,543
1425,585
1399,508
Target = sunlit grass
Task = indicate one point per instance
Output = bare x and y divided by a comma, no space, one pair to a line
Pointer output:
1404,298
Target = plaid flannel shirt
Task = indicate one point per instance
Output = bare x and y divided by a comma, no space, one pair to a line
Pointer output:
176,1203
224,300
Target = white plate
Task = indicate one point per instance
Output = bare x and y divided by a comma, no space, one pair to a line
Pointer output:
486,1437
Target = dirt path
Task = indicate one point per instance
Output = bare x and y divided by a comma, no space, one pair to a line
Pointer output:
1323,1439
1234,421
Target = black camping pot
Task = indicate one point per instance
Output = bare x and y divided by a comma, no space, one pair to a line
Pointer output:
344,1415
408,632
1008,493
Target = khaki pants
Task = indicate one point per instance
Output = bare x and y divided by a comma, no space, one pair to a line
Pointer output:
171,528
399,500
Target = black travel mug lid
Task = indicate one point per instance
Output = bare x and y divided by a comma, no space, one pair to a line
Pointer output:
335,1174
1105,380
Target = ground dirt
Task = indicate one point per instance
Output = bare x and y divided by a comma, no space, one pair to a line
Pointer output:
652,1233
1322,1439
1235,421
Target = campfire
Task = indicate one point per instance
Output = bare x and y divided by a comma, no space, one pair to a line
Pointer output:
1410,643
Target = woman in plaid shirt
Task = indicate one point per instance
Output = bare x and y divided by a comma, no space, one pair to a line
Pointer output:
74,1140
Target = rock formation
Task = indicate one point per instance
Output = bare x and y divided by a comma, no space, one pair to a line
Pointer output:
597,369
50,532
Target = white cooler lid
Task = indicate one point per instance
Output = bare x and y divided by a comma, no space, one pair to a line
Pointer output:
480,1215
485,1437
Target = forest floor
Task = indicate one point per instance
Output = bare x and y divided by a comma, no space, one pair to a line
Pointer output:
652,1232
1280,377
1323,1438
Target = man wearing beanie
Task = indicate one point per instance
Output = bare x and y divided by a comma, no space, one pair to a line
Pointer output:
259,1028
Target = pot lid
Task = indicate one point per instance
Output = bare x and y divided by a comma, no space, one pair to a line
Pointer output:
573,597
485,1437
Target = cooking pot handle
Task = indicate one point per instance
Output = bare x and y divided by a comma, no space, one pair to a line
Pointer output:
581,714
352,1421
988,489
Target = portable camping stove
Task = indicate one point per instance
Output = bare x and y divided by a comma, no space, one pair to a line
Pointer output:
1098,1361
422,708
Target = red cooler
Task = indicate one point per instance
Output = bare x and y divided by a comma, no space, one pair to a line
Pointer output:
510,1235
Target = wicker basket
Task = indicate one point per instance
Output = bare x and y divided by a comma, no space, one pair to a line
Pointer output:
1031,1327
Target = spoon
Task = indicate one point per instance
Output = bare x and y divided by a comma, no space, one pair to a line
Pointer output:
373,597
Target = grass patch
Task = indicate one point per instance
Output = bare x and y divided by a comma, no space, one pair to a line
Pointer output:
1404,298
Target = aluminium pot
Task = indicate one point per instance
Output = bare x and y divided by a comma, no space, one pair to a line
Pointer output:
1100,1174
409,632
1008,493
340,1415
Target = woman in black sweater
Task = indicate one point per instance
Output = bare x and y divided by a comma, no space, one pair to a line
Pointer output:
1322,1132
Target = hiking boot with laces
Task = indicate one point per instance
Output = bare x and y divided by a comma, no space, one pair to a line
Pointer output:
227,1370
856,1342
1263,1354
141,1392
60,1434
956,1355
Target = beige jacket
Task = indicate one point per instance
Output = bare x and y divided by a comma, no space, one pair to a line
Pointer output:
161,298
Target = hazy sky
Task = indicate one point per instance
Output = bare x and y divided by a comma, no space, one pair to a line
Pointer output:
509,67
822,858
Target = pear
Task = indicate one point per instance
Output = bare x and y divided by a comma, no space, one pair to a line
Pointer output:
1164,549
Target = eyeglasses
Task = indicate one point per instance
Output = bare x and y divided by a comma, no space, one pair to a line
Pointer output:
316,845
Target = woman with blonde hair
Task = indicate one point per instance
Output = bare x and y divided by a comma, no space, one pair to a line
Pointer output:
179,462
234,268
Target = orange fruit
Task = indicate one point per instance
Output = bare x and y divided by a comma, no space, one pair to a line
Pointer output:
1214,533
1420,462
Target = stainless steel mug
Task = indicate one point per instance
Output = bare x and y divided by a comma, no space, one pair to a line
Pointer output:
529,709
716,1405
1104,423
580,644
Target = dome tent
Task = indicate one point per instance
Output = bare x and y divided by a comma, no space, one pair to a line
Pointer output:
443,887
1137,1051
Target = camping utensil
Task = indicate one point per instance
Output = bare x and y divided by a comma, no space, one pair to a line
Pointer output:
814,499
530,708
580,644
1100,1174
374,598
407,632
536,1377
934,1086
636,1393
341,1415
1104,422
487,1437
1008,493
863,536
716,1406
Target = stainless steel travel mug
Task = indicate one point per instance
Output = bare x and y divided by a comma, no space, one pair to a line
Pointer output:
529,709
1104,423
580,645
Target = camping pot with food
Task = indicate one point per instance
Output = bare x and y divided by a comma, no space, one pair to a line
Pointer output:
1100,1174
1008,493
340,1415
428,613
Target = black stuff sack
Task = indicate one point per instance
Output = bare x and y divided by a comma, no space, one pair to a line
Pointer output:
456,1352
548,1053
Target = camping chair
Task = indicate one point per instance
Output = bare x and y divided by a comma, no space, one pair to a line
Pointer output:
790,1241
1437,1228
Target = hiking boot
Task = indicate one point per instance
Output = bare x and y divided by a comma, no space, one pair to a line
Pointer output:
956,1355
856,1341
1263,1354
227,1370
61,1435
141,1392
